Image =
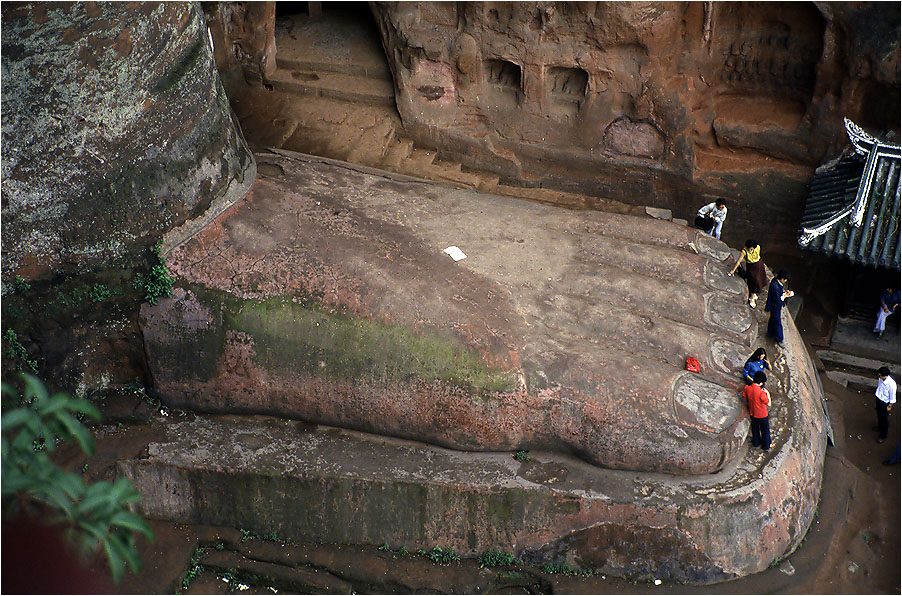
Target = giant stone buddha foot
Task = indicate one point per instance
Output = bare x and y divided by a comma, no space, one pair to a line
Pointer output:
326,296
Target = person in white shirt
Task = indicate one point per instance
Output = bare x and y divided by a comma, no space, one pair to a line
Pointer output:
710,218
886,397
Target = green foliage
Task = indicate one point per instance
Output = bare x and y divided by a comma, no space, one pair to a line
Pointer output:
439,555
562,568
521,455
97,514
20,286
497,558
156,284
194,567
17,350
99,293
384,546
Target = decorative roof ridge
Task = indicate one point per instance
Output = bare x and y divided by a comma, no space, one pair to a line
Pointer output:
863,141
866,145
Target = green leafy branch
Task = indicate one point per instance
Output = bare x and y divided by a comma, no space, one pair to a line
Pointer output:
97,514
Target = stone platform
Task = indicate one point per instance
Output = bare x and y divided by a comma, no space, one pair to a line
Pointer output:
327,296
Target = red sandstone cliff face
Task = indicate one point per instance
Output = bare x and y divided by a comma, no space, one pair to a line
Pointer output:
668,104
733,99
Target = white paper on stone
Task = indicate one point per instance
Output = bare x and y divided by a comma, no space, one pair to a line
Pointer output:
455,253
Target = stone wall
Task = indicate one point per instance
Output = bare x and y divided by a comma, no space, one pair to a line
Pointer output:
668,104
116,128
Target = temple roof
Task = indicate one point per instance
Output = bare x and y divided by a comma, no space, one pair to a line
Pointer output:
852,209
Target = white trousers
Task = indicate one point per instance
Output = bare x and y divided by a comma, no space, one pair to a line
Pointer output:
881,320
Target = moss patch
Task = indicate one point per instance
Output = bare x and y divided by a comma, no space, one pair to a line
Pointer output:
304,336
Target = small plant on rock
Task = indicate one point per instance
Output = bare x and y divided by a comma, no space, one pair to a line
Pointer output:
439,555
521,455
497,558
17,350
156,284
20,286
99,293
555,568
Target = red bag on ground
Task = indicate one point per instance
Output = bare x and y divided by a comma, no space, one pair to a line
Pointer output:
692,364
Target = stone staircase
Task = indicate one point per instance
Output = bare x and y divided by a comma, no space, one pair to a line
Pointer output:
301,77
362,78
855,353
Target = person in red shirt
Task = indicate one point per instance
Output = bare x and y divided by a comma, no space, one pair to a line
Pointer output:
758,398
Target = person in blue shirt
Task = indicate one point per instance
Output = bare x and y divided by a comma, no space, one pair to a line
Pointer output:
889,304
757,361
776,295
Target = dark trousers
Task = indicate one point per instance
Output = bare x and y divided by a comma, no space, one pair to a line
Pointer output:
761,432
882,418
775,325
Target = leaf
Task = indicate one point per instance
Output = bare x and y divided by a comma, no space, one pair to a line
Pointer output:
117,562
33,387
123,545
14,418
72,484
123,492
78,431
132,521
8,390
91,502
52,494
83,406
52,405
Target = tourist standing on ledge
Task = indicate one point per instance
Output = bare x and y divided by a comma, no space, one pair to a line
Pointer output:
755,275
710,218
776,296
759,398
889,304
886,397
757,361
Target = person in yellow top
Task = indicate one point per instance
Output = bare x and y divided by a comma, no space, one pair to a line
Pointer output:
754,274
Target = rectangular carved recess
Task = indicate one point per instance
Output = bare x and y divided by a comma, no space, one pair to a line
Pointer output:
504,75
567,87
567,84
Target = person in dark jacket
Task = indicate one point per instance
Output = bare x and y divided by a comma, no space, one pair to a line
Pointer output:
889,304
776,296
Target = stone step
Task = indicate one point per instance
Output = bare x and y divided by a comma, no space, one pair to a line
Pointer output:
398,150
316,483
863,366
446,171
853,381
342,87
381,134
417,161
370,70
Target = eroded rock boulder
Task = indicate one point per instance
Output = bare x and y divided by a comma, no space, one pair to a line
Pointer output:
327,296
116,129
